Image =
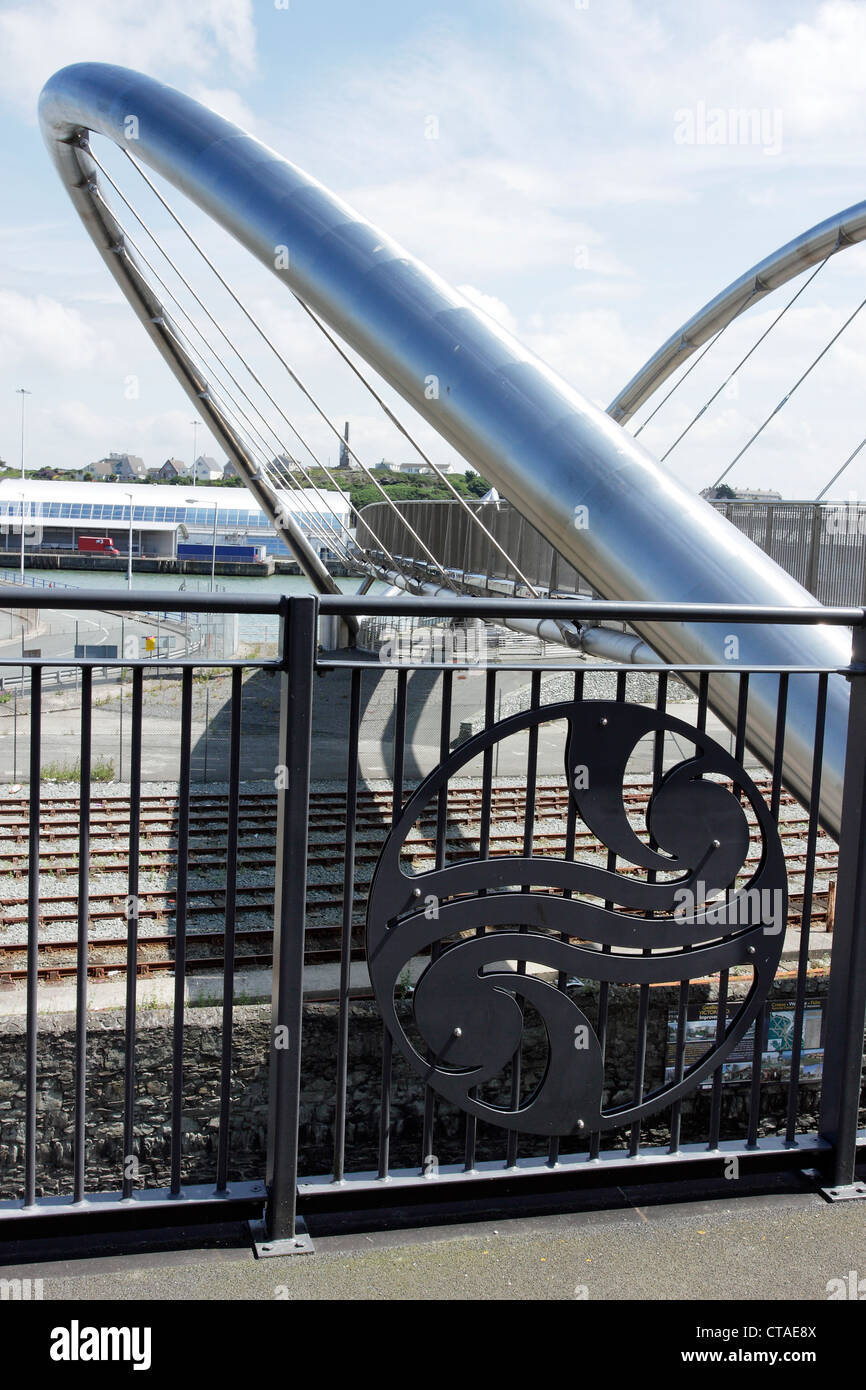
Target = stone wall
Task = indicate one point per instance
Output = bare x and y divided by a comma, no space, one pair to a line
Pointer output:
202,1043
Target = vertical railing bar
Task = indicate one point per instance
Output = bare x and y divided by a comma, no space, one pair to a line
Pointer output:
487,769
842,1076
760,1023
703,695
32,936
644,994
806,914
80,1155
483,853
230,925
724,975
568,854
347,925
683,1002
604,986
298,657
441,849
679,1063
134,838
180,927
528,837
781,718
396,808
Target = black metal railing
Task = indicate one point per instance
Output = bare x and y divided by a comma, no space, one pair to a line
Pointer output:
481,969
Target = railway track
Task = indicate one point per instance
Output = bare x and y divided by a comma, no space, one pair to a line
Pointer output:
157,819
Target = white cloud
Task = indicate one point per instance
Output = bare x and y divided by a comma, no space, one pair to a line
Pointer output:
160,37
815,71
554,134
491,306
588,348
40,330
226,102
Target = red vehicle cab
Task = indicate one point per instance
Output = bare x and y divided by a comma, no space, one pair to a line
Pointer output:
102,545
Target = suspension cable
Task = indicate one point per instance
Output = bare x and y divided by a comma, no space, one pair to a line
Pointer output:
273,475
790,393
292,374
679,381
369,387
840,471
743,360
443,477
215,323
276,479
244,426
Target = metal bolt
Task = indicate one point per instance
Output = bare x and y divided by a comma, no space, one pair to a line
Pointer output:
416,892
603,722
581,1124
717,844
458,1032
750,950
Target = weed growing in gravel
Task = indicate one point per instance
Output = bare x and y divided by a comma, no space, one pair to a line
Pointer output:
102,770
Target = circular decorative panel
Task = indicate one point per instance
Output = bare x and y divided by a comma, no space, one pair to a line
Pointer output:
688,908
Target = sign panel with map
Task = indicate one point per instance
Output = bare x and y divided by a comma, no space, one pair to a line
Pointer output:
777,1043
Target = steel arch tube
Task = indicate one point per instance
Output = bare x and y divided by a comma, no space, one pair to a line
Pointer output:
833,234
642,534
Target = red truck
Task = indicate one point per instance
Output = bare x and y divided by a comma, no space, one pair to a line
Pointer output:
103,545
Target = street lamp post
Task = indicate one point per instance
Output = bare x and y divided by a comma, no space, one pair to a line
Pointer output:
22,392
129,546
194,502
194,424
22,495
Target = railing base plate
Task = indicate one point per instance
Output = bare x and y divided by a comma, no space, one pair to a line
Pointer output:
300,1243
849,1192
845,1192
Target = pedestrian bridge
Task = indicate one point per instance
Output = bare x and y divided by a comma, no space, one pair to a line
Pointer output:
822,545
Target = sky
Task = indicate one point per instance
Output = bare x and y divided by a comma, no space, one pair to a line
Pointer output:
576,169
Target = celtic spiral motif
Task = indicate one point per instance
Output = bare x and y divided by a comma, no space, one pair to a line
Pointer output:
468,1012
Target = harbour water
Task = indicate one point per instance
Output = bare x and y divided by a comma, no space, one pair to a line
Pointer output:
253,627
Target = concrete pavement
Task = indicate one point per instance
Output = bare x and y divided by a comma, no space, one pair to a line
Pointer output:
791,1245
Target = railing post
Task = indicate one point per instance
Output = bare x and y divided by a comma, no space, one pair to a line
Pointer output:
814,550
283,1232
846,1003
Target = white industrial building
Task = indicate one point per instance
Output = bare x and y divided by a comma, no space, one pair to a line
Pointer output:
58,514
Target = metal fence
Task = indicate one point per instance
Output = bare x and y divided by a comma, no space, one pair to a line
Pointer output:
821,544
595,967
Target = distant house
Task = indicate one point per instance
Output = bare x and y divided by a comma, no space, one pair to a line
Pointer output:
229,470
723,492
172,468
206,469
411,468
129,468
284,465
